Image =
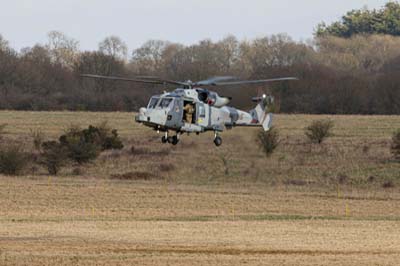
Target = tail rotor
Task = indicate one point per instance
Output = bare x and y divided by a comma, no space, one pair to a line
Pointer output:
263,113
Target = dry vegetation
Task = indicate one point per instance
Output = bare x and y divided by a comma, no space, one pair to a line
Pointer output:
154,204
357,75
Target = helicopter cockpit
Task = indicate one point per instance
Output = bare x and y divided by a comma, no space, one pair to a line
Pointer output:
153,102
174,107
165,103
159,103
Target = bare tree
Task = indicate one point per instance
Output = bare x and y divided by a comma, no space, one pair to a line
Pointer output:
8,68
148,58
115,47
63,49
169,62
3,43
358,53
229,52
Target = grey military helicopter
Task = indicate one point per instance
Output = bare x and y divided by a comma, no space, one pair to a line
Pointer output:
193,108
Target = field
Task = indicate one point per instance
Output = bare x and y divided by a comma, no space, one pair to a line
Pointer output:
195,204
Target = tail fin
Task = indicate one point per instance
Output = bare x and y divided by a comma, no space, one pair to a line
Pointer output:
261,114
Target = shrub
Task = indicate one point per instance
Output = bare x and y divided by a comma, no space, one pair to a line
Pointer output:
143,151
78,149
134,176
342,178
12,159
295,182
112,141
77,171
319,130
53,156
269,140
103,136
38,138
85,145
395,148
388,184
166,167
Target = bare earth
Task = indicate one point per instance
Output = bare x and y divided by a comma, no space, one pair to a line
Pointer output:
191,216
92,222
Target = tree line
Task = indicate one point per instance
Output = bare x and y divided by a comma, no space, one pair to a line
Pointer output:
364,21
355,73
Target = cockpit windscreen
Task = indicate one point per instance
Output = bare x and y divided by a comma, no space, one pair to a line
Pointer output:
153,103
165,102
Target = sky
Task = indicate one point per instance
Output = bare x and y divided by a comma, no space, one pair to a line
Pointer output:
26,22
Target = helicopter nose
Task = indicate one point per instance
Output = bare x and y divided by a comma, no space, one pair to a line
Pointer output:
142,111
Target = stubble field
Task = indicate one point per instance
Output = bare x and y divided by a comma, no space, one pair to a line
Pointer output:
195,204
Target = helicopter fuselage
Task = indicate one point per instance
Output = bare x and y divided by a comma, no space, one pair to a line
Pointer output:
168,112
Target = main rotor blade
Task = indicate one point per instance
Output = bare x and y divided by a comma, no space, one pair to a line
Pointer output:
243,82
147,79
214,80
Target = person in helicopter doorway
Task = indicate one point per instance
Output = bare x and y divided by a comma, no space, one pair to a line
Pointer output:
189,110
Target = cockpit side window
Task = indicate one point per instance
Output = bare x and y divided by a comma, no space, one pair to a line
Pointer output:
202,111
153,103
165,102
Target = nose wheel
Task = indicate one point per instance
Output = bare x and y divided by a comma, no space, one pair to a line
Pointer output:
217,140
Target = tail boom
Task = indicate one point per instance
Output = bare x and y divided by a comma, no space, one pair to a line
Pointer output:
257,117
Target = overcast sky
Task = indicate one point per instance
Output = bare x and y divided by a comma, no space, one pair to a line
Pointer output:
26,22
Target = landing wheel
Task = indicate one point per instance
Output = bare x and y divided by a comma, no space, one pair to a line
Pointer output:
218,141
164,139
175,140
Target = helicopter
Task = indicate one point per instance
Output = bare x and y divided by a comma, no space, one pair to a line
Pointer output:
193,108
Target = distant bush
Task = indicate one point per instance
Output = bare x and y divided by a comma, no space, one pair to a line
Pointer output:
319,130
38,138
85,145
395,148
134,176
388,184
12,159
342,178
269,140
77,171
166,167
295,182
53,156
